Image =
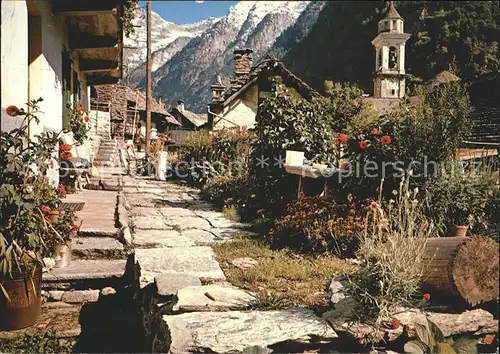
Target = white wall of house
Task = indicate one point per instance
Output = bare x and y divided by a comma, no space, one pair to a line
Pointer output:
14,59
241,111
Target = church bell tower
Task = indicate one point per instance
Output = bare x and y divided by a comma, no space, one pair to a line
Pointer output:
389,46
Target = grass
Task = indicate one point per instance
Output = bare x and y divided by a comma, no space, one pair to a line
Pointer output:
231,213
281,278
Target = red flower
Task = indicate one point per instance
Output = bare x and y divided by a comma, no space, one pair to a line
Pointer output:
46,219
375,131
65,147
343,137
66,156
363,144
76,227
52,165
86,118
82,109
374,205
345,165
225,158
395,324
427,296
386,140
45,209
12,111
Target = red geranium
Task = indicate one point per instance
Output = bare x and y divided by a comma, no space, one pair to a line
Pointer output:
86,118
65,147
386,140
82,109
46,219
66,156
12,111
343,137
76,227
395,324
45,209
363,144
345,165
375,131
52,164
427,296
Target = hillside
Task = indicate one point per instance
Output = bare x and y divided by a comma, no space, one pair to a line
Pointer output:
463,35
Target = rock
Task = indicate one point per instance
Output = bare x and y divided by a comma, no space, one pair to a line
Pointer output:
97,248
145,211
344,311
228,233
211,298
170,283
161,238
150,223
337,289
186,222
244,263
233,331
80,296
87,269
108,291
199,237
169,212
125,236
222,223
197,261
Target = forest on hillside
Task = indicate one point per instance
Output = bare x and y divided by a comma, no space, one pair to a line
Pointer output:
458,35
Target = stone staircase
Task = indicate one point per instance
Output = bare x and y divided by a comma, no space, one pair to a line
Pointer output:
109,166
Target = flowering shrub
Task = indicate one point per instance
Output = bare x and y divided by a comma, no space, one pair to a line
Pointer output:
316,224
78,120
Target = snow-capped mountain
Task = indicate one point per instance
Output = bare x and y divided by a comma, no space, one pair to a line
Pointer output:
189,72
163,33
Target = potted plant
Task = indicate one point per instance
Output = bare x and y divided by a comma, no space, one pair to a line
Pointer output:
23,224
78,120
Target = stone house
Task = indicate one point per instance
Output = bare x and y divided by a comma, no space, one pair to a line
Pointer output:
236,106
188,120
56,50
126,109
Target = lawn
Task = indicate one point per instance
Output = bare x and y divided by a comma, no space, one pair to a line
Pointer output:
281,278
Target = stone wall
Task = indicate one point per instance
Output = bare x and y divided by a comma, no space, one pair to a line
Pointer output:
99,128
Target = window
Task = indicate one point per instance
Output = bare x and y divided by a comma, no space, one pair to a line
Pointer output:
379,60
393,57
393,92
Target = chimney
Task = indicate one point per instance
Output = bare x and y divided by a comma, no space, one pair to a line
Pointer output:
180,105
242,62
218,90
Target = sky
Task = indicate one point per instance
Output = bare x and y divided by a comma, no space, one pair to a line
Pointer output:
188,11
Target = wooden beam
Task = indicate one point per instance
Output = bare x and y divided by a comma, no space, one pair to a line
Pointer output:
96,80
88,65
81,41
83,8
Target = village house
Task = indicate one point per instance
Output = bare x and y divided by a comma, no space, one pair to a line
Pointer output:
188,120
126,109
236,106
57,50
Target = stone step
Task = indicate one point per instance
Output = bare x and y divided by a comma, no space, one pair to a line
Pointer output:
234,331
86,274
97,248
71,296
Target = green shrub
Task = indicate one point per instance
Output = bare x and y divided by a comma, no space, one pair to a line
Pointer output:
44,343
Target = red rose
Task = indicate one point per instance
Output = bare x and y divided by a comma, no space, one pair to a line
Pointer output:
343,137
375,131
395,324
86,118
386,140
363,144
76,227
45,209
12,111
427,296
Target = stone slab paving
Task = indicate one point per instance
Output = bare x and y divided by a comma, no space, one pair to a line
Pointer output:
98,214
172,231
197,261
212,297
97,248
87,269
233,331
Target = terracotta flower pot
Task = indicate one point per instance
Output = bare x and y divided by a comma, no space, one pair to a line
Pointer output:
62,255
23,305
54,215
461,230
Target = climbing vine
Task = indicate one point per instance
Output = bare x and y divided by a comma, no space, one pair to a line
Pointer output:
128,14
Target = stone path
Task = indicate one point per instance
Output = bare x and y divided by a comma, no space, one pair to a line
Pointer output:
188,305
